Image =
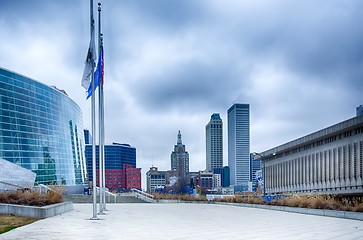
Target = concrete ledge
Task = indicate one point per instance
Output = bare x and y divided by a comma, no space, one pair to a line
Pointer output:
36,212
310,211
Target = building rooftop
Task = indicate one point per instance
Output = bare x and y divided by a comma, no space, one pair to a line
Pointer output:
338,128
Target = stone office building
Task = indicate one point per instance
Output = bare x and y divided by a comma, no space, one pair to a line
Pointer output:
328,161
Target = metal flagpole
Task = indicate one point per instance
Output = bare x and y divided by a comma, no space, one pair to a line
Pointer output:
103,138
93,113
102,122
101,148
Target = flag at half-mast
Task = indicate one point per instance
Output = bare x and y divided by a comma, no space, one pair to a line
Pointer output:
99,73
88,65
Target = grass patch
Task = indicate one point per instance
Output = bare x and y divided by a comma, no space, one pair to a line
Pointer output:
9,222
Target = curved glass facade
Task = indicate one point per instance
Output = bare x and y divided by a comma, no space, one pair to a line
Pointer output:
41,130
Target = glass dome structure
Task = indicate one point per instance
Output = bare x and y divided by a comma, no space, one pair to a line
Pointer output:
41,130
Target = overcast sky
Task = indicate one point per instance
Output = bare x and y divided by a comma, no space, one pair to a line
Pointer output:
169,65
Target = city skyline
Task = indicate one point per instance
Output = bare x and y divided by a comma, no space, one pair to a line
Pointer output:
168,66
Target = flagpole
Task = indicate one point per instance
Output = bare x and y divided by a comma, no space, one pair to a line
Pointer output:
103,136
102,121
93,113
101,147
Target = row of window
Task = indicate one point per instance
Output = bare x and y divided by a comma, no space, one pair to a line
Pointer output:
340,163
330,139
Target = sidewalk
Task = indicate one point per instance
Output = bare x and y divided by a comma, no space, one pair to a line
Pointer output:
187,221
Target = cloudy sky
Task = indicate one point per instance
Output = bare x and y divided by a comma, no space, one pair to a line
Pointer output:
170,64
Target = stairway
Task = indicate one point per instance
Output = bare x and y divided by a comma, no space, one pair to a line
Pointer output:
80,198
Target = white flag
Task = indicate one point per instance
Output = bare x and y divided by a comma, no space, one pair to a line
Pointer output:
88,65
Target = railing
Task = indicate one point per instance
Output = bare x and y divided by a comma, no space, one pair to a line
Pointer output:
109,194
13,185
143,195
45,187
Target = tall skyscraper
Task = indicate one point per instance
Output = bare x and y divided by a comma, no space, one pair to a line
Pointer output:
214,142
239,144
180,160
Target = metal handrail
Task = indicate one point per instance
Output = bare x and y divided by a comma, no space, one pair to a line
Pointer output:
109,193
143,195
45,187
12,184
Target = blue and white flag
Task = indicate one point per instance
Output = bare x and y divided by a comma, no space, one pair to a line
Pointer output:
88,65
99,73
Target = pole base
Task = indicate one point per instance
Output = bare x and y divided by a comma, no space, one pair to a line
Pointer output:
94,218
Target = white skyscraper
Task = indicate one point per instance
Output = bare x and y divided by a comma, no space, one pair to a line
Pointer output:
239,144
214,142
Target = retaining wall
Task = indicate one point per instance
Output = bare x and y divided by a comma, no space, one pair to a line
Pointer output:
36,212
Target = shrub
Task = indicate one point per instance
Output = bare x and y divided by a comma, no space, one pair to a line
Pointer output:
358,208
304,202
357,204
33,198
318,202
332,202
293,201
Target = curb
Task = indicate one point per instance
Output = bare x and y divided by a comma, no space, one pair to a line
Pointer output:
310,211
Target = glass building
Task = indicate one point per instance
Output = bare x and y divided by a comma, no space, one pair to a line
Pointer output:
116,155
239,144
41,130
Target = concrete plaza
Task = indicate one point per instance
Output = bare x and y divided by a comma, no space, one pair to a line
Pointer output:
187,221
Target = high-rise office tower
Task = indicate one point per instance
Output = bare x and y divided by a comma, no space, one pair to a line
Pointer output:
239,144
180,160
214,142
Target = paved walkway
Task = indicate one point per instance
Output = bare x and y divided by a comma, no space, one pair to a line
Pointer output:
187,221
